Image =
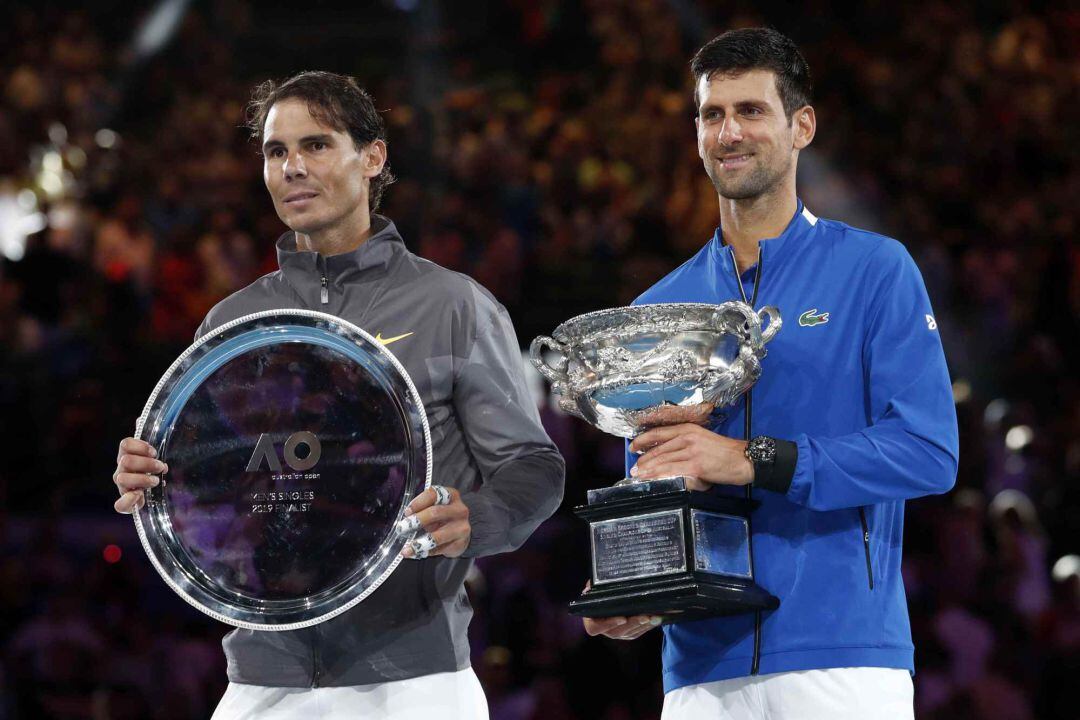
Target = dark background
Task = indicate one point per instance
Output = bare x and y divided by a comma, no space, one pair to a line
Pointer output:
547,149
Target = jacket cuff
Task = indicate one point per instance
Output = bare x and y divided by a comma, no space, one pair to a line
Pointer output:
487,531
778,477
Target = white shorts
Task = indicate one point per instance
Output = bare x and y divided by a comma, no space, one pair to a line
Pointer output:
862,693
450,695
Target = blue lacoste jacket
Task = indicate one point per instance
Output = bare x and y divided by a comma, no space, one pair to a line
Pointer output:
857,378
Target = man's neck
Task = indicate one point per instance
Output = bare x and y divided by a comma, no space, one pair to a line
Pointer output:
336,240
745,223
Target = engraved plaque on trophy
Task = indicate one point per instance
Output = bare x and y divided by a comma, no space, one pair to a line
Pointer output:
294,442
658,548
646,545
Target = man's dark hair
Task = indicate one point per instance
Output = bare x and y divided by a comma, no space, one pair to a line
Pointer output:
336,101
739,51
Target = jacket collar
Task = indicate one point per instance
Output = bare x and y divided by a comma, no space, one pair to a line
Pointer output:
772,249
302,267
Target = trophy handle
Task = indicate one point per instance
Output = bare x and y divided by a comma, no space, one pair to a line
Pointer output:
556,375
775,323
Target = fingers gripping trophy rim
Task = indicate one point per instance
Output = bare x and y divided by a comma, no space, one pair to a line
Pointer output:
442,495
407,525
422,545
412,523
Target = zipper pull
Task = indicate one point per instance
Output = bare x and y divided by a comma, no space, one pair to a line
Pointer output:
325,293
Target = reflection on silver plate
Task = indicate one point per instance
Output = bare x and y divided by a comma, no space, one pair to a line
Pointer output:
294,441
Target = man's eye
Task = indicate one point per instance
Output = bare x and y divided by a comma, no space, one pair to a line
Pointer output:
752,111
318,146
277,152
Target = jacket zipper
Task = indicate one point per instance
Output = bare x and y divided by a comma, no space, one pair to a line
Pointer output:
324,282
755,664
866,546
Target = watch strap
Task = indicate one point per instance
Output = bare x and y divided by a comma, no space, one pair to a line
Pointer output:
777,475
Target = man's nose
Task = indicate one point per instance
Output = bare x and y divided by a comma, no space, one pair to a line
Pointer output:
730,131
293,166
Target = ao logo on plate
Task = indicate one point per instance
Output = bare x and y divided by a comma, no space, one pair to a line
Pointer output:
266,452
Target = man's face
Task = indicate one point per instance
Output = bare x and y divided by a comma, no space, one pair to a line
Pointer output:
744,137
316,176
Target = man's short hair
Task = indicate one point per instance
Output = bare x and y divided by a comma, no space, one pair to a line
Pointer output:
336,101
738,51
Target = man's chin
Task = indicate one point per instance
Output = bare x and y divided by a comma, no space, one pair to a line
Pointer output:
738,193
302,225
748,189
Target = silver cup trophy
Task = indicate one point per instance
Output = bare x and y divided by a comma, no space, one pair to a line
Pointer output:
658,548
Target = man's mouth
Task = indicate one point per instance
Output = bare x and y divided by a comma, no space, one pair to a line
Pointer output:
299,196
732,162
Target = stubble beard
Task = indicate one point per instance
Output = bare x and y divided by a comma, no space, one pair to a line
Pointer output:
759,181
306,222
307,226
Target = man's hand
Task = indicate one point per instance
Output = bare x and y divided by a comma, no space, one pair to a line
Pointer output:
136,469
621,628
446,524
702,456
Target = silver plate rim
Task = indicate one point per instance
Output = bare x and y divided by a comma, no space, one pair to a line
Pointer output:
139,425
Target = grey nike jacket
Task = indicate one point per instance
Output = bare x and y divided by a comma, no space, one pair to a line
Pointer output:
458,346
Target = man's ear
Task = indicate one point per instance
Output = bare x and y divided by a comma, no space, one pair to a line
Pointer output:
374,157
805,122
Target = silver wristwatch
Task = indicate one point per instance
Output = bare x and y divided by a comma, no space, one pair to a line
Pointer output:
762,452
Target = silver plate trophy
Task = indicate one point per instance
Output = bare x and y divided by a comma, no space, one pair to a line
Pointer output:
657,548
294,442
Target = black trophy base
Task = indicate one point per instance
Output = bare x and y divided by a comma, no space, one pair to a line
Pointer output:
659,549
689,596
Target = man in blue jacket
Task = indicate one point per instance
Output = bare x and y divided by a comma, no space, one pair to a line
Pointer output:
852,416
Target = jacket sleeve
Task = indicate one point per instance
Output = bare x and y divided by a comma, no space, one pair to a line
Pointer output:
911,447
204,327
522,471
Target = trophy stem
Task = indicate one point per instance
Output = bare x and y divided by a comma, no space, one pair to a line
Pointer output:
636,487
638,481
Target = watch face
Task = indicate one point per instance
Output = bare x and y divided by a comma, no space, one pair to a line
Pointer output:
294,442
762,449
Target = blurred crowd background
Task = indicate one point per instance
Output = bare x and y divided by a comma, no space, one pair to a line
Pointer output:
547,149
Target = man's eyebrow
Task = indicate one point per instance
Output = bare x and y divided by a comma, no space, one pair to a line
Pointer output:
738,104
322,138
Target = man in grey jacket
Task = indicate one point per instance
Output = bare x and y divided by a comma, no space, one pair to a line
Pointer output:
403,652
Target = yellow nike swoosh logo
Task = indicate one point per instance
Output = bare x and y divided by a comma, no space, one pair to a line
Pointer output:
386,341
